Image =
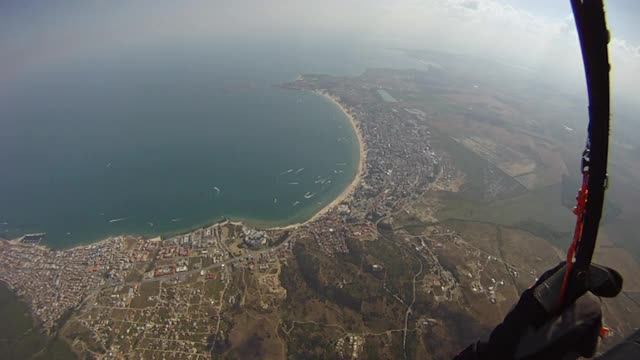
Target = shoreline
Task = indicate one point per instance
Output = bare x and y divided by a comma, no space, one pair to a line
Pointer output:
362,156
344,195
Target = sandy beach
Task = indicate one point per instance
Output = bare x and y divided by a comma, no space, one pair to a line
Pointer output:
343,195
357,178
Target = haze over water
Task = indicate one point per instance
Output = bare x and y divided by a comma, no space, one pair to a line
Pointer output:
168,139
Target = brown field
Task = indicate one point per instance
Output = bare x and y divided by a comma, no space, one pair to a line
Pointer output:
529,252
146,290
482,235
519,167
499,134
481,100
255,337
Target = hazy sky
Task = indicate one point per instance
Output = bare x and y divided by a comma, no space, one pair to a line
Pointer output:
538,34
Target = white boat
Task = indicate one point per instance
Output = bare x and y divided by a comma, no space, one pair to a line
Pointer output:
286,172
295,203
309,195
117,220
293,183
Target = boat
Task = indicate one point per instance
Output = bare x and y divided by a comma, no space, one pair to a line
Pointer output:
275,200
176,220
295,203
117,220
286,172
299,170
293,183
217,190
308,195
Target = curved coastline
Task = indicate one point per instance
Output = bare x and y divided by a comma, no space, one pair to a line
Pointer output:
256,223
362,149
345,194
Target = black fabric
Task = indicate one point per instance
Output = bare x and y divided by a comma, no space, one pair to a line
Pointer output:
566,336
505,337
571,332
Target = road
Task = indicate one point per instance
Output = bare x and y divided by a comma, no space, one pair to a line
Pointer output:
406,315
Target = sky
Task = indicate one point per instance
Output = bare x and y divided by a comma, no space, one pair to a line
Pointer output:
537,34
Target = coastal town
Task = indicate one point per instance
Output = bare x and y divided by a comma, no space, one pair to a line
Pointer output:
372,272
56,283
397,165
132,281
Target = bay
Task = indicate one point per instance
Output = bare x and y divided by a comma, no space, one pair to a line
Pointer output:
161,140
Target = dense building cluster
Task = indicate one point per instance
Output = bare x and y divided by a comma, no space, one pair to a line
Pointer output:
112,274
56,282
399,162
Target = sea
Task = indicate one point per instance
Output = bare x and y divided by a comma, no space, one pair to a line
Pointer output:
160,140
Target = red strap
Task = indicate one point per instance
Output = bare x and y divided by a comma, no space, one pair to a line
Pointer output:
581,202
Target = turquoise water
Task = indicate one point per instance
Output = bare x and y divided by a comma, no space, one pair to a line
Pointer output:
161,141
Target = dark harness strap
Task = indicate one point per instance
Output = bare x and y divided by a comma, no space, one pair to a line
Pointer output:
594,38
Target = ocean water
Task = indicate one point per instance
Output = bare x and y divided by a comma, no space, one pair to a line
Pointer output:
162,140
